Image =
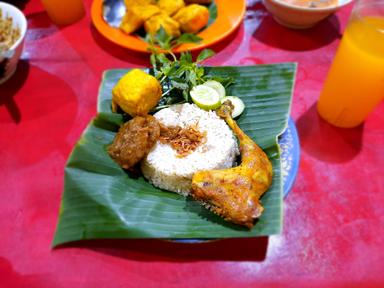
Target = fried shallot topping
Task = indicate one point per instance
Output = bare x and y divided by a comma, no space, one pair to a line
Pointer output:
183,140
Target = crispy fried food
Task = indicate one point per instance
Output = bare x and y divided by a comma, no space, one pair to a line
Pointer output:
183,140
131,3
135,17
234,193
192,18
170,7
153,24
198,1
136,93
134,140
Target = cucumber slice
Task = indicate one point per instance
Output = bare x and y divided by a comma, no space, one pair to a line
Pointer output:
205,97
237,103
217,86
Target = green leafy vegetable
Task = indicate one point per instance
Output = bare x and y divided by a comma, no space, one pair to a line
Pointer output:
188,38
205,54
179,76
162,41
212,13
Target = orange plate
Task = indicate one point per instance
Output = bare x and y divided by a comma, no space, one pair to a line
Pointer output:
229,16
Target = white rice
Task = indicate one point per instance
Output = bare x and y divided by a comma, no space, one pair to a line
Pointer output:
165,170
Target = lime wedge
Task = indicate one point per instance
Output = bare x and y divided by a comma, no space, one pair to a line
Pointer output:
217,86
205,97
237,103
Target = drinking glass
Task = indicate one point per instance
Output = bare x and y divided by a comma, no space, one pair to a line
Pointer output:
64,12
355,82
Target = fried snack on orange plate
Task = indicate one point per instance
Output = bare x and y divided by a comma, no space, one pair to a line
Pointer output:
198,1
136,93
135,17
192,18
153,24
131,3
170,7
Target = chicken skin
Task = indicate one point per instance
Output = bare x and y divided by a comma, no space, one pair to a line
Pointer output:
234,193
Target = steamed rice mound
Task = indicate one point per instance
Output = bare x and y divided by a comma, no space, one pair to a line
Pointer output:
162,166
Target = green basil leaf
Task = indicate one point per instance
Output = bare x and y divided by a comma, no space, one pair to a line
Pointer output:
212,13
200,72
205,54
188,38
185,58
163,39
162,58
168,69
192,78
179,84
153,61
186,95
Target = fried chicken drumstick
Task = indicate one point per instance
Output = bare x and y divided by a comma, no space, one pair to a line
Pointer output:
234,193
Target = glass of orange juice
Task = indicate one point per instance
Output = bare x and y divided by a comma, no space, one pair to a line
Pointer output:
355,82
64,12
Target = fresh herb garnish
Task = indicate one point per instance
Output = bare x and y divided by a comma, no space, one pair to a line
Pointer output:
161,40
178,75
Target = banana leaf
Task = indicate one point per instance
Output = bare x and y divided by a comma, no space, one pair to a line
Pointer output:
101,200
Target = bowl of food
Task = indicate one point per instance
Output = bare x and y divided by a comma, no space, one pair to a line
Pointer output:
13,26
301,14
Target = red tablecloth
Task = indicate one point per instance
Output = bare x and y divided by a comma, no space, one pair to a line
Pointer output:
333,218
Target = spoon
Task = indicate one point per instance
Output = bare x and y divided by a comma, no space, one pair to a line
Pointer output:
113,12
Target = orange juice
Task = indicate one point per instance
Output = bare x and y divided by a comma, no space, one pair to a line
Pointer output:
64,12
355,83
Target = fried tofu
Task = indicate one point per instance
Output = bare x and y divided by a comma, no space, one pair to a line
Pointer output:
198,1
135,17
136,93
192,18
153,24
131,3
170,7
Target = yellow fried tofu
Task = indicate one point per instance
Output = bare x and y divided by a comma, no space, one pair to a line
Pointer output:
153,24
192,18
198,1
135,17
170,7
136,93
131,3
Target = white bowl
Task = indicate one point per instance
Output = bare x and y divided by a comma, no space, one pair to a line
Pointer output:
10,58
298,17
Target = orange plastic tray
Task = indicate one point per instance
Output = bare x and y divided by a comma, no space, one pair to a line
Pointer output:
229,16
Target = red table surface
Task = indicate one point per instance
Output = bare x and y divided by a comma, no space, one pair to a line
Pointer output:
333,233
